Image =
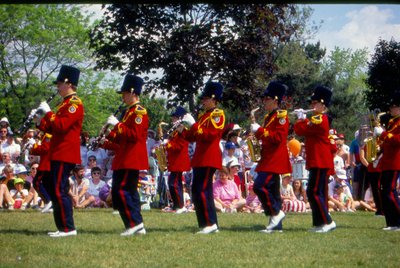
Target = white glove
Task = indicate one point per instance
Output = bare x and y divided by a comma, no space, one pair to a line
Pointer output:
254,127
112,120
188,119
44,107
33,112
378,131
301,116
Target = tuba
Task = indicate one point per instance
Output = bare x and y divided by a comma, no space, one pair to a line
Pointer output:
252,142
160,150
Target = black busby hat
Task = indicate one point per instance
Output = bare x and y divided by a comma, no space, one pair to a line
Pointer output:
275,90
322,94
213,90
179,112
132,84
68,74
395,99
384,119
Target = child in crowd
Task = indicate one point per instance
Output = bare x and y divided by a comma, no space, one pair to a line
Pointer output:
253,204
19,194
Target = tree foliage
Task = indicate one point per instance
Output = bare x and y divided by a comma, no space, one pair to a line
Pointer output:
34,41
383,74
188,44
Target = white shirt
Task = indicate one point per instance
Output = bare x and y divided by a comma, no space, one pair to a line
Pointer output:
94,189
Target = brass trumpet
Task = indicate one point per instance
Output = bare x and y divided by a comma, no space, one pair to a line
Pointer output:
252,142
160,150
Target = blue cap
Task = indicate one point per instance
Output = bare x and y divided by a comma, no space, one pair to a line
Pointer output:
132,84
230,145
179,112
213,90
68,74
275,90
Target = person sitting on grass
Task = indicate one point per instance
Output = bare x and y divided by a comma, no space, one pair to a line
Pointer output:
5,197
253,204
78,186
289,199
92,197
341,197
227,197
20,195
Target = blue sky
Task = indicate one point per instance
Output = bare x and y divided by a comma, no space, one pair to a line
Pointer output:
356,26
346,25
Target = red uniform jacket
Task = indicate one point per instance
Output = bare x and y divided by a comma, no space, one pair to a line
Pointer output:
178,153
128,140
318,147
207,133
391,145
274,151
43,151
65,127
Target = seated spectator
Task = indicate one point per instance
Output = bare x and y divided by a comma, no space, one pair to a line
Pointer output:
91,163
230,148
101,156
9,146
233,168
105,193
6,161
300,192
187,200
227,197
340,178
341,197
93,194
78,186
20,195
289,200
368,204
253,204
5,197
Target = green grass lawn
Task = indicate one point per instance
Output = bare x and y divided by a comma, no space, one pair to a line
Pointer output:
171,242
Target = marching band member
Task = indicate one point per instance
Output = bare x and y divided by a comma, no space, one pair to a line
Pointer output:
274,155
128,139
65,127
319,157
390,164
207,158
178,161
41,180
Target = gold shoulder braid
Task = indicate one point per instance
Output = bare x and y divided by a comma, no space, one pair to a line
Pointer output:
281,113
316,119
75,100
140,110
217,118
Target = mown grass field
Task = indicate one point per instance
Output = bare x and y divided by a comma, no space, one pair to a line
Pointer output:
171,242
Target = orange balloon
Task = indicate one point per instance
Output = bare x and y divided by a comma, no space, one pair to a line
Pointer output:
294,147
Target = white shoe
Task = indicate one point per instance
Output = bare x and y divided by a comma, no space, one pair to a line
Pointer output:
53,233
138,229
209,229
269,231
115,212
64,234
391,228
181,210
326,228
275,220
47,207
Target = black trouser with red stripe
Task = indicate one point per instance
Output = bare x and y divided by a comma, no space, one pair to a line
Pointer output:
202,195
62,202
125,196
41,185
176,188
267,188
374,179
317,194
390,198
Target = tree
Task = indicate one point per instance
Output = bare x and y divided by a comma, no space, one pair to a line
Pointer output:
383,74
34,41
188,44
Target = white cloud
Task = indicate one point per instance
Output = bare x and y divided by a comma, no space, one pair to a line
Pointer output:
363,28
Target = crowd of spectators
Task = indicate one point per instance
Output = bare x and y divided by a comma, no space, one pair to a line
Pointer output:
90,182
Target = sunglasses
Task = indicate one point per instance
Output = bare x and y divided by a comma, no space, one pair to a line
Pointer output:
92,160
96,173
